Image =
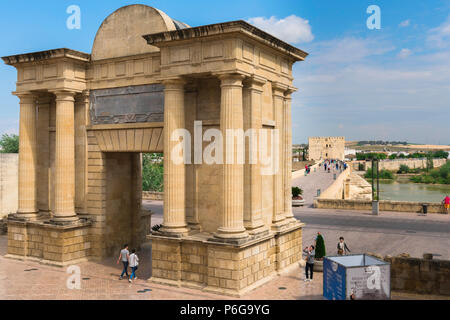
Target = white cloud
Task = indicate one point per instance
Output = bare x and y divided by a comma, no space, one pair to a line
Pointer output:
351,82
291,29
348,50
440,36
405,23
404,53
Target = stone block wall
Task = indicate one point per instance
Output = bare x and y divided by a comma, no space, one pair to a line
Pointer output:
153,195
9,179
222,268
364,205
420,275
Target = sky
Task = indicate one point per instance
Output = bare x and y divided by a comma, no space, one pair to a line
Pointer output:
391,83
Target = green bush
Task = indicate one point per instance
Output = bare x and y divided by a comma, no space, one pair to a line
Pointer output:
296,191
403,169
9,143
320,247
384,174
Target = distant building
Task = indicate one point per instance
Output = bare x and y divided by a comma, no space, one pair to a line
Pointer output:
322,148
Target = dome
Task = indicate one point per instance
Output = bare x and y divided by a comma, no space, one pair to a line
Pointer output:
120,34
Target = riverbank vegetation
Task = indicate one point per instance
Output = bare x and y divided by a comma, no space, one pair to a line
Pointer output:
384,174
435,176
416,155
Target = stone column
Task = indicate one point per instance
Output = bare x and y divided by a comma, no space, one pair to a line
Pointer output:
43,150
64,210
27,158
278,178
81,152
231,117
287,147
253,221
174,222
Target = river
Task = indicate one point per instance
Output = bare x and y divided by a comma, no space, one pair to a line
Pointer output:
408,191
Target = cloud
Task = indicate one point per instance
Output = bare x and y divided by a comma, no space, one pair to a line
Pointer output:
355,87
405,23
440,37
291,29
348,49
404,53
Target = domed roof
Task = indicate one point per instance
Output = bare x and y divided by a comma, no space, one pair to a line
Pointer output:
121,33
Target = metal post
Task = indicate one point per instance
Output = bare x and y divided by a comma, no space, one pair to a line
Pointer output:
373,178
378,180
375,203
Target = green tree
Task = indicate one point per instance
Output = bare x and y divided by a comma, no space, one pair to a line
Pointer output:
320,247
9,143
152,172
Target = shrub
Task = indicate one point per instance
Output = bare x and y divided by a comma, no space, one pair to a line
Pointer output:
403,169
384,174
320,247
296,191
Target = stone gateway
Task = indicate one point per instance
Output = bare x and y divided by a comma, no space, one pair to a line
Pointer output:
85,119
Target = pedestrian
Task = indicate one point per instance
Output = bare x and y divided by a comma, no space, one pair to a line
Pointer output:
342,247
446,203
309,268
134,263
124,257
325,166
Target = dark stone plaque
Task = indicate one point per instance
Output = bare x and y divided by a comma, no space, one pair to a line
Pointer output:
133,104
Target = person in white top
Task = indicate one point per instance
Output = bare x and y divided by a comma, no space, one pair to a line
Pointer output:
134,263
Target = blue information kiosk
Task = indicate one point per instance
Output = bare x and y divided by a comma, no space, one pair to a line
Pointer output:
356,277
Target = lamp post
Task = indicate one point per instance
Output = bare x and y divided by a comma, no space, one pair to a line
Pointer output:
375,203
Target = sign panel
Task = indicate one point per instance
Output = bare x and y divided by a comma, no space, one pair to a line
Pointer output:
333,280
127,105
369,282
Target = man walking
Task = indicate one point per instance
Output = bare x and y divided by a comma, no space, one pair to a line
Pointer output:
309,252
342,247
124,257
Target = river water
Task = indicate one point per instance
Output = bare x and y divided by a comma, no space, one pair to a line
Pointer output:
408,191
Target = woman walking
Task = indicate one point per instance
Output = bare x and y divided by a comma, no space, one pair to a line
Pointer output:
134,262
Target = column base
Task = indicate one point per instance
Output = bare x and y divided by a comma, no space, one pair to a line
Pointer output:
64,220
231,234
174,232
25,216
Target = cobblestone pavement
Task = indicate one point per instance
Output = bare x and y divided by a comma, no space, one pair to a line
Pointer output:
385,234
314,181
31,280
